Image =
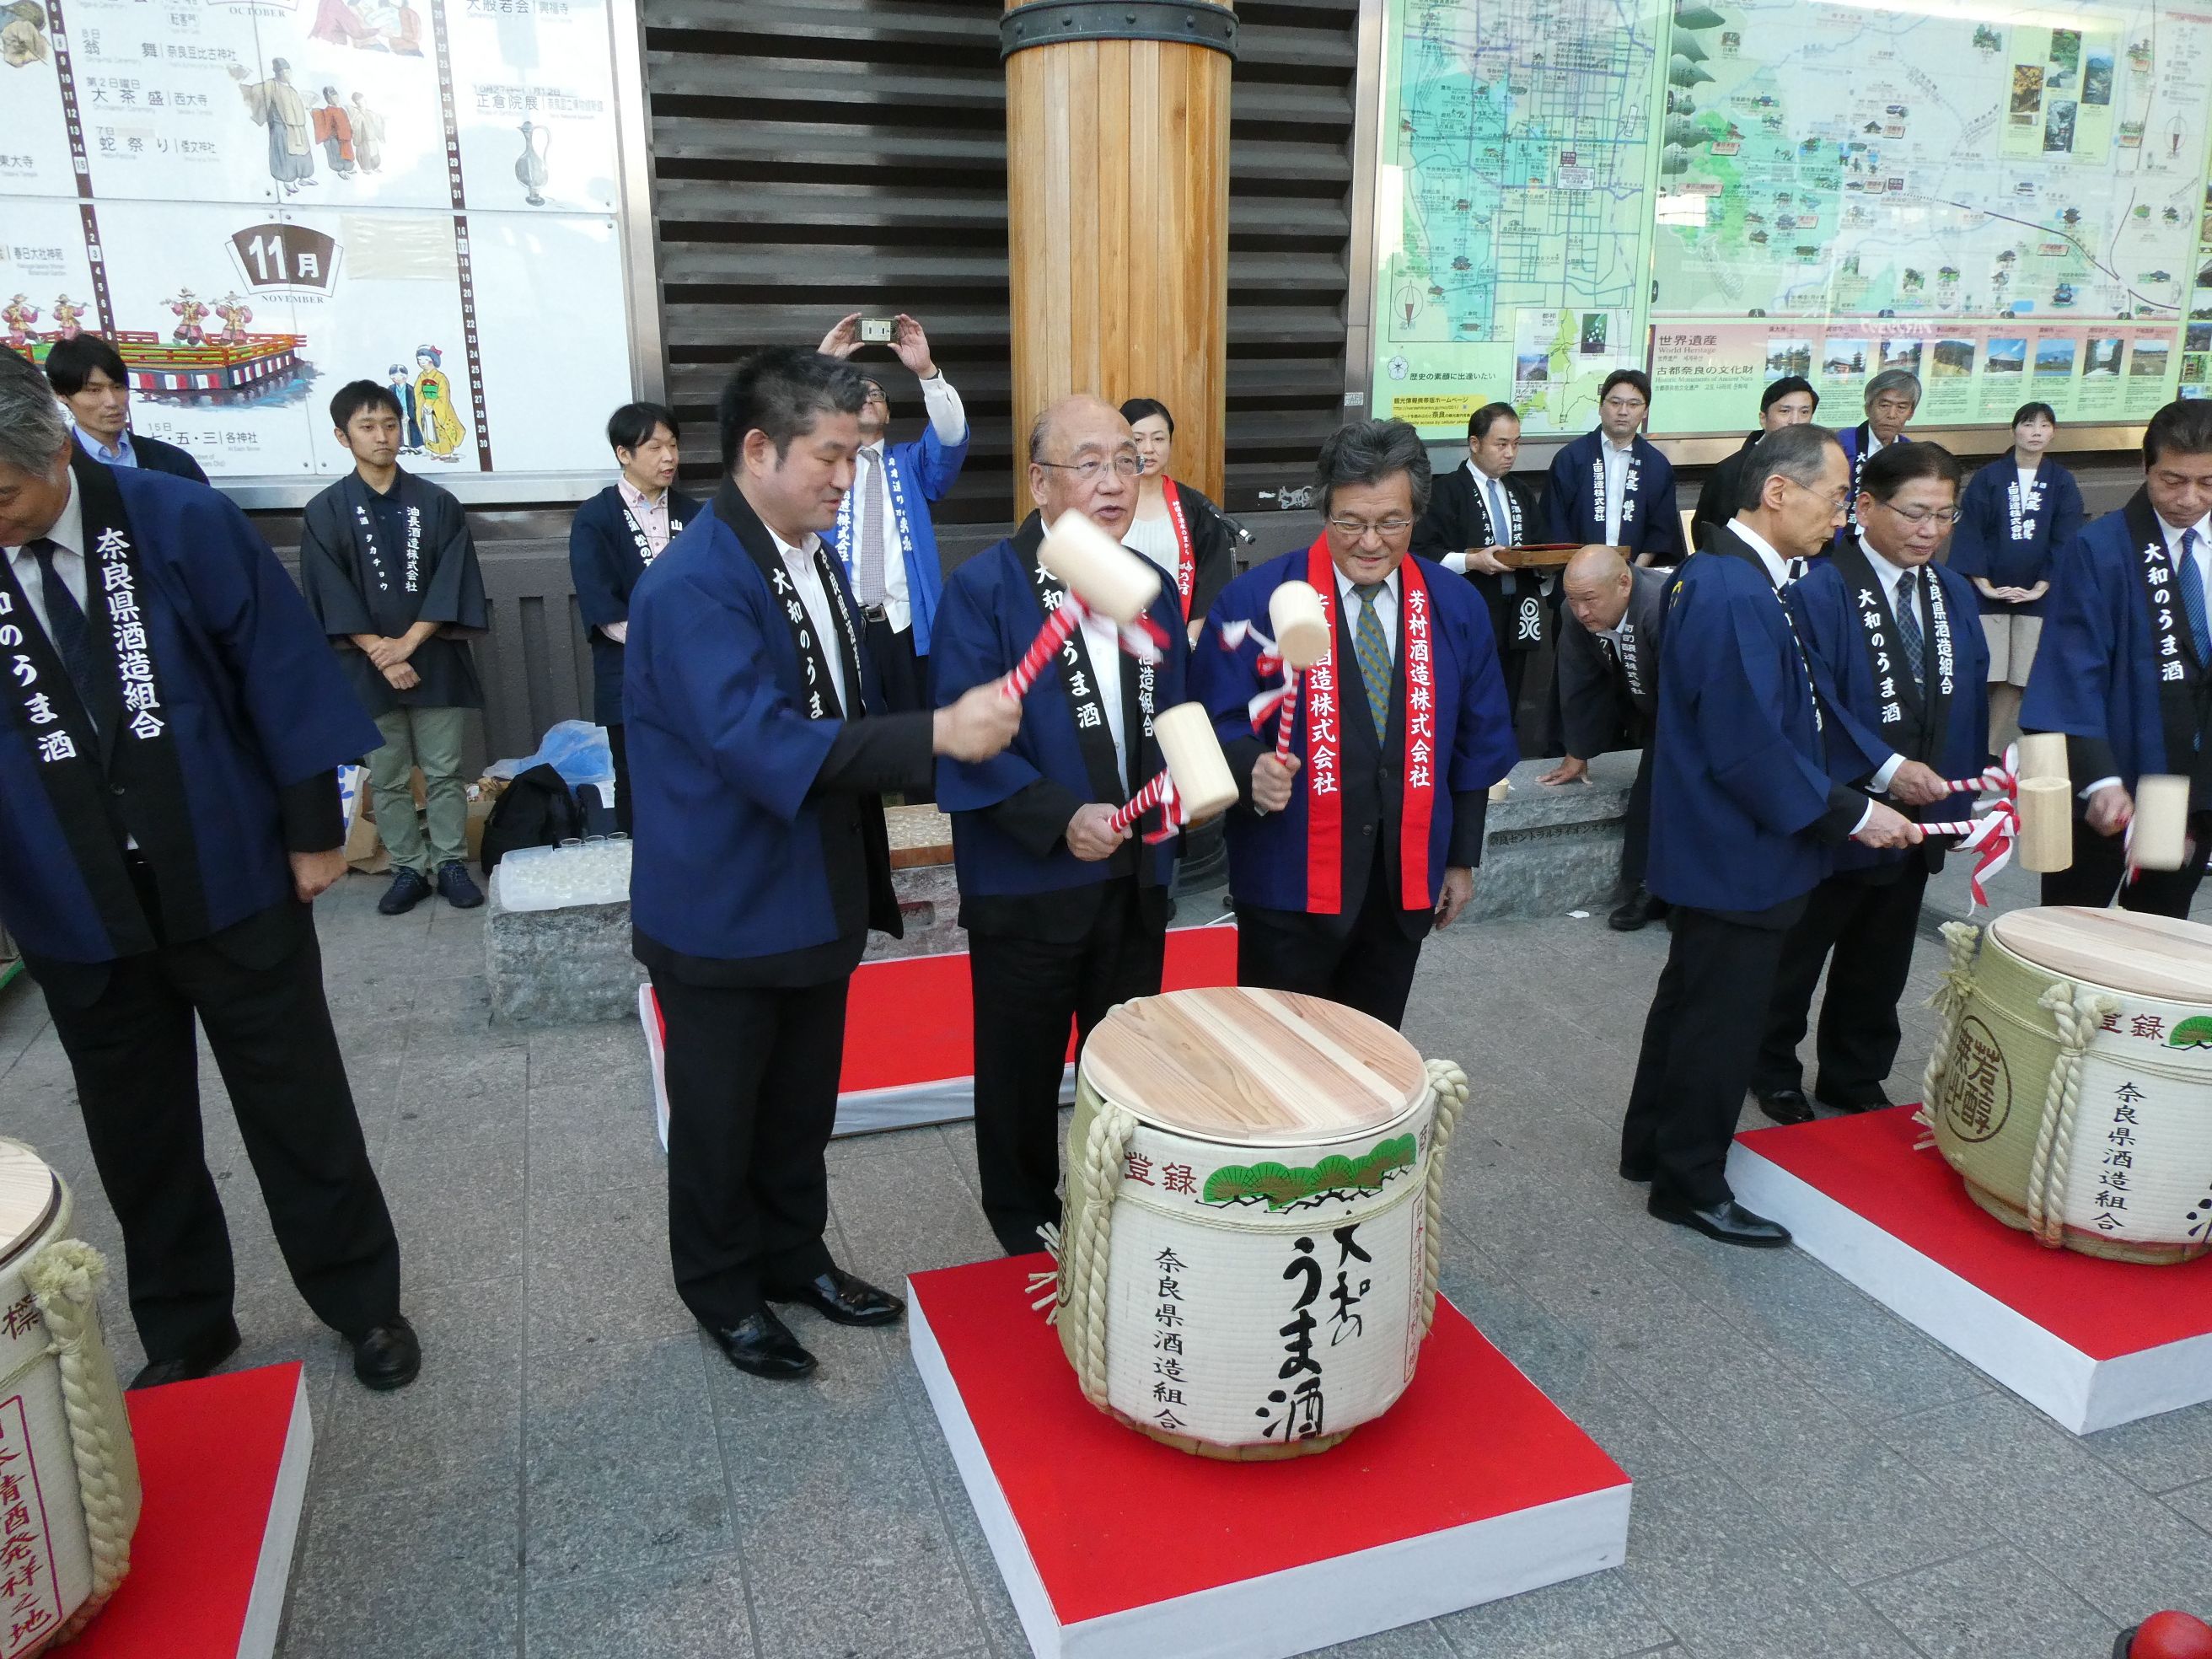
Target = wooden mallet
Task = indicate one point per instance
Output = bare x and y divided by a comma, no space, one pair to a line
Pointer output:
1302,639
1101,575
1197,782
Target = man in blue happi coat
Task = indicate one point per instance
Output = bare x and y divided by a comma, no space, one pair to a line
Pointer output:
2124,667
1899,638
170,726
759,761
883,533
1066,915
1611,486
1746,807
1342,860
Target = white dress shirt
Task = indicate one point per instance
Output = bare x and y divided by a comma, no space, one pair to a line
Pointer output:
1492,491
948,418
2202,559
1102,639
68,537
799,561
1616,484
1386,608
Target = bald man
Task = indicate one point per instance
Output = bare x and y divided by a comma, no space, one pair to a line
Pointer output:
1066,916
1609,689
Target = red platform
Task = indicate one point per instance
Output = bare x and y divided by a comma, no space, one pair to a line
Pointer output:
1473,1487
2090,1342
224,1463
910,1041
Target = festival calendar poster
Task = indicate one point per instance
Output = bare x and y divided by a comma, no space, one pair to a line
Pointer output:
259,200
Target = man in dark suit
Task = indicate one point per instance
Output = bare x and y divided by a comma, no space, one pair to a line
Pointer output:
1066,915
89,375
1609,694
1744,812
1899,637
1476,511
1342,859
1789,401
761,861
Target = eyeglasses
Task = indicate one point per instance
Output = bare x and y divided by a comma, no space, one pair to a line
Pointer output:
1128,466
1836,503
1917,516
1357,529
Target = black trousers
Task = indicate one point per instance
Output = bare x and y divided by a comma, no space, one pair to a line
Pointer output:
1699,1043
2099,863
1864,932
1027,992
1635,824
620,750
137,1082
904,676
1368,966
751,1074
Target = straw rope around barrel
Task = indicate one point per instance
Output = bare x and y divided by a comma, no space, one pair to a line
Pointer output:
65,1279
1962,943
2048,1170
1086,1259
1450,1084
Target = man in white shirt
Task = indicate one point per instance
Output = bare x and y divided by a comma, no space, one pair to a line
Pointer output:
882,533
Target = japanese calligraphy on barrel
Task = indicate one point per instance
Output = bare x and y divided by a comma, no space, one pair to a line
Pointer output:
68,1478
1249,1248
2071,1084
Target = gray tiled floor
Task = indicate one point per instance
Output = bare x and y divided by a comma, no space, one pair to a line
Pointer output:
578,1474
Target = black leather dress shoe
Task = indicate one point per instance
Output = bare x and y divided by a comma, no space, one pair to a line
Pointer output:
1019,1240
1785,1105
1634,1169
195,1362
1727,1221
388,1356
844,1300
1876,1102
764,1345
1636,911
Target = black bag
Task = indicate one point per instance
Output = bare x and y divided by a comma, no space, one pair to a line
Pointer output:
536,810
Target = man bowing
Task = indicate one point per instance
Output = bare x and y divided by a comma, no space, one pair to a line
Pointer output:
762,859
1342,860
1066,915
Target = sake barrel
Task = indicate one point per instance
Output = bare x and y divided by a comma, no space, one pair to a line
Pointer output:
2072,1084
68,1478
1248,1252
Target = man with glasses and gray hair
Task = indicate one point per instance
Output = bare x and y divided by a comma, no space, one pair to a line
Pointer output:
1899,636
1065,915
884,534
1892,399
1342,857
1747,806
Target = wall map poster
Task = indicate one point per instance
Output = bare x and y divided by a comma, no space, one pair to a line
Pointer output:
259,200
1734,190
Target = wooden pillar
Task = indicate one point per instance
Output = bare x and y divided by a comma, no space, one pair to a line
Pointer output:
1117,196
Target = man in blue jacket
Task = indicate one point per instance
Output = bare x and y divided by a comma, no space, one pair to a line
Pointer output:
1899,637
1611,486
882,531
171,724
1066,915
2124,667
1745,811
759,761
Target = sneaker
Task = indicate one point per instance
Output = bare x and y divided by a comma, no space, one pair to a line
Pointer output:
409,888
455,887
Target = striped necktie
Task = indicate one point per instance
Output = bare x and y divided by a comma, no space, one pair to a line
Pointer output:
2192,596
1908,626
1373,652
72,635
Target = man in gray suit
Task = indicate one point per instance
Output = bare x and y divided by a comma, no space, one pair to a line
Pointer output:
1608,681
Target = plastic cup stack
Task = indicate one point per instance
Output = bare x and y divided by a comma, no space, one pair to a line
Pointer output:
593,871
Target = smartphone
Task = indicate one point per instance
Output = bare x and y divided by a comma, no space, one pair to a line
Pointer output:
878,331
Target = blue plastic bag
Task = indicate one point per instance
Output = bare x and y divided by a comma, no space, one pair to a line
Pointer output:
577,750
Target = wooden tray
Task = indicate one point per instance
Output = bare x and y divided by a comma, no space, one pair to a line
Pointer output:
1542,555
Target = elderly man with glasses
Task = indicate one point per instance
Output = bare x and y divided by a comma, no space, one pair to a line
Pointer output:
1343,856
1899,638
883,535
1065,915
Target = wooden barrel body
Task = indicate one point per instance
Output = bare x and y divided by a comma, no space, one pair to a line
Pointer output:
2075,1094
1117,203
58,1561
1246,1219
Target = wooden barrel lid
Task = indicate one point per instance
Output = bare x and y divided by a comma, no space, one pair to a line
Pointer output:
2150,956
1265,1068
28,1192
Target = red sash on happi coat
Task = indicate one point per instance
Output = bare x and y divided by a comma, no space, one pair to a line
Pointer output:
1324,745
1186,561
